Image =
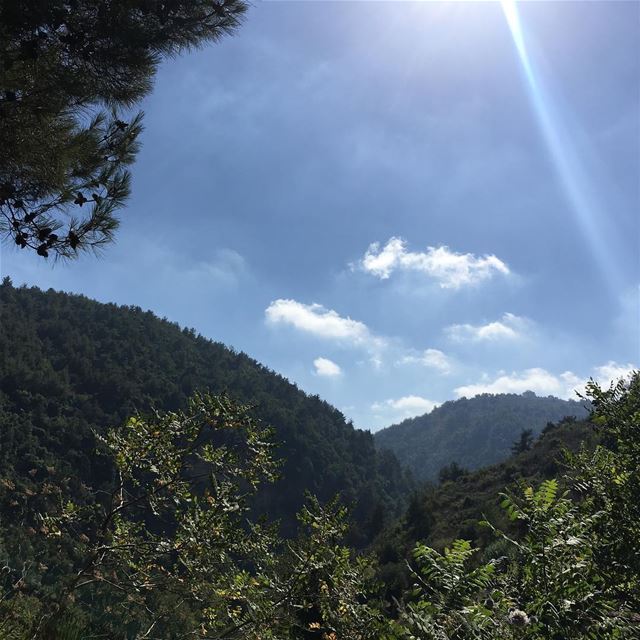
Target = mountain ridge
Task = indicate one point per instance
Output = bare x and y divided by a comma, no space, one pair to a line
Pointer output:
473,432
71,366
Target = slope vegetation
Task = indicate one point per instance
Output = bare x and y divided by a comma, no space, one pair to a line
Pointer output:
473,432
70,366
453,509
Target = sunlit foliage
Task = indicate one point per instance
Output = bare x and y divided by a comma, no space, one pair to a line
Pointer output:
572,572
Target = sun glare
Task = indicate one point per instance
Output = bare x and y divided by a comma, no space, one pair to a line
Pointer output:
570,167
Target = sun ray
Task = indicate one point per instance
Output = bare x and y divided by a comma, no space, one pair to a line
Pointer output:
571,169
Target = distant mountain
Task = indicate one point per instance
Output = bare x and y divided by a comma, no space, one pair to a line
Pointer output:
70,365
473,432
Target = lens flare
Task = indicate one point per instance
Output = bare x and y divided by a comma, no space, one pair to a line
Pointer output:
578,185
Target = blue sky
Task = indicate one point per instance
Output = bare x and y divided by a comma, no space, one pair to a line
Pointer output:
393,204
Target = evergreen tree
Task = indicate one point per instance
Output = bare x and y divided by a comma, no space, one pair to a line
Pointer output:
523,443
70,72
451,472
418,517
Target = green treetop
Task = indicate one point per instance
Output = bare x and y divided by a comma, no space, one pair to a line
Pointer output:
70,73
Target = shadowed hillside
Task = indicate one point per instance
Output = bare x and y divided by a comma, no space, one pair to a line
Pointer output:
70,365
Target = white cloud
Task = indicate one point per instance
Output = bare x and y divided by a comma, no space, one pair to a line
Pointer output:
509,327
326,368
321,322
537,380
612,371
405,407
450,269
544,383
431,358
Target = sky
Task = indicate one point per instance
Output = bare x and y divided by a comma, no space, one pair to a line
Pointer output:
393,204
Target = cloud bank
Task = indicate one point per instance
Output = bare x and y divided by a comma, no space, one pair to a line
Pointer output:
450,269
545,383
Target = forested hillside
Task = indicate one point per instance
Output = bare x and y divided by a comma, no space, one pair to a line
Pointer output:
472,432
69,366
453,509
142,530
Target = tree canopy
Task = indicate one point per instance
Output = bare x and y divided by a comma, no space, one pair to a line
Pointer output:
168,552
71,73
130,511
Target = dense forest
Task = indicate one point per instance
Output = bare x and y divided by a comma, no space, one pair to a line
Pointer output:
71,367
472,432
